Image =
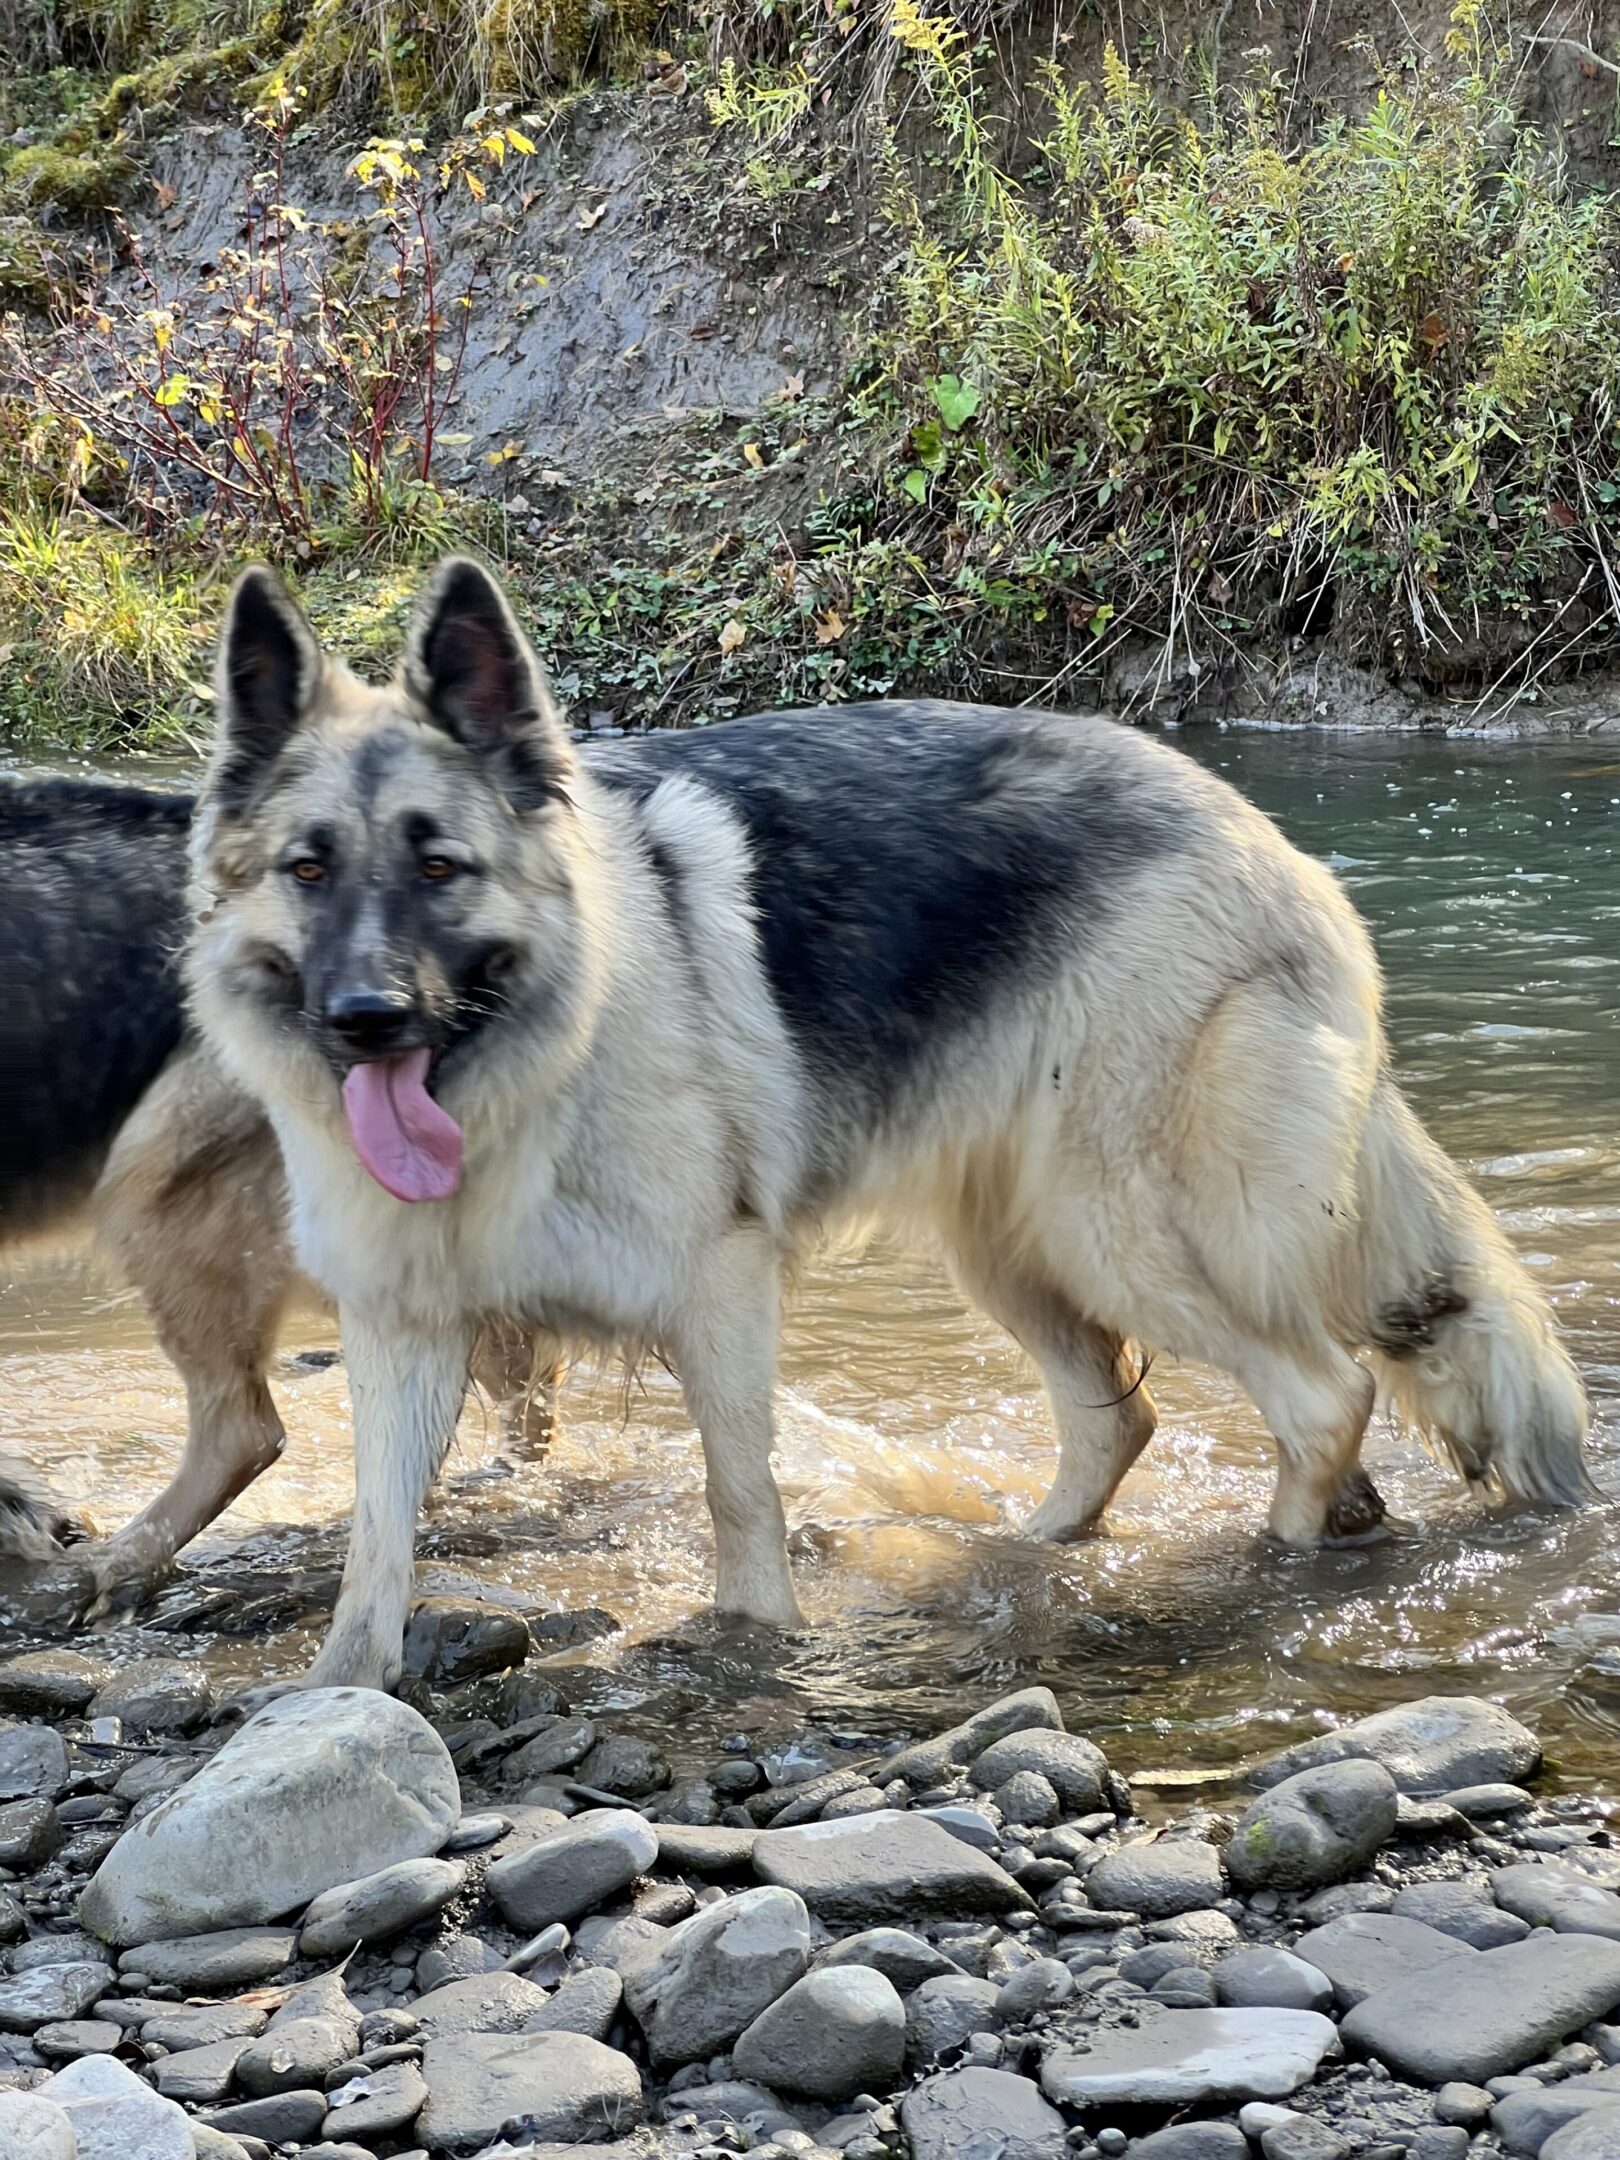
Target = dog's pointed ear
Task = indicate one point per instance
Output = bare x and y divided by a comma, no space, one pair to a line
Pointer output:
265,678
474,674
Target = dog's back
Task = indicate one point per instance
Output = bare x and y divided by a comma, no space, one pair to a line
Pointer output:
91,919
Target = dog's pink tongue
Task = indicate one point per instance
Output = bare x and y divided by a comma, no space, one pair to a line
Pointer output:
410,1146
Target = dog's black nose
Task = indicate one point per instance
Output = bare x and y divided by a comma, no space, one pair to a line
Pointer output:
370,1021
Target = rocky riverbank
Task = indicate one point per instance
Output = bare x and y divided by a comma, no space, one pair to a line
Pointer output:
347,1929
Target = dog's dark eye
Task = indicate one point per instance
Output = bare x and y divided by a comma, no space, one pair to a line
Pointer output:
438,868
307,870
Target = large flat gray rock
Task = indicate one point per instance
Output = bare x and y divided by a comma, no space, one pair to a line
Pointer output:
1366,1952
51,1994
575,1869
1488,2012
1184,2058
318,1789
561,2087
834,2033
888,1867
1429,1746
1524,2121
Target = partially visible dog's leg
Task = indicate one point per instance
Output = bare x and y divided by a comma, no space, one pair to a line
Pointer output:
407,1390
192,1203
1103,1413
520,1369
725,1353
1317,1405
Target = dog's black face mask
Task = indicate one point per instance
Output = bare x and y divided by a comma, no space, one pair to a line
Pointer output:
387,852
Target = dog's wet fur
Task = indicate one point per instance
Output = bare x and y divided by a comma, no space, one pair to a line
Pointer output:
1031,986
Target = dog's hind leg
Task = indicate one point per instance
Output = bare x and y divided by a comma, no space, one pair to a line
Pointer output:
724,1350
1094,1381
192,1204
520,1369
1317,1404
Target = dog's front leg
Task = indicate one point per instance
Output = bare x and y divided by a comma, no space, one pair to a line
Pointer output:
724,1349
407,1386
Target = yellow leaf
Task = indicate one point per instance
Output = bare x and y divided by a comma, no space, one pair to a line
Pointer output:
475,186
755,456
829,627
732,636
520,142
172,391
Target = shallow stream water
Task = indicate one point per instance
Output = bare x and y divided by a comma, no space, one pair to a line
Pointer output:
914,1439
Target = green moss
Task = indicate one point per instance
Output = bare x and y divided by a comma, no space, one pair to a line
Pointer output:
47,175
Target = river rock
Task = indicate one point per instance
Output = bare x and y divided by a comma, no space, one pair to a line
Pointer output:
1040,1985
1463,1910
319,1788
1365,1952
587,2002
200,2075
375,2104
282,2119
1076,1771
50,1994
573,1870
559,2087
873,1868
705,1849
116,2115
378,1906
904,1959
831,2035
1270,1979
176,2028
1549,1896
1524,2121
452,1640
1192,2141
70,2038
294,2055
1158,1879
497,2002
30,1831
976,2114
707,1980
946,2012
1488,2011
214,1964
930,1760
32,2128
1595,2136
50,1683
559,1744
1187,2058
1314,1828
620,1763
1429,1746
156,1695
33,1763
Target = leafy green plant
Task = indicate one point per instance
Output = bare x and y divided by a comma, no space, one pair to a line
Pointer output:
1239,379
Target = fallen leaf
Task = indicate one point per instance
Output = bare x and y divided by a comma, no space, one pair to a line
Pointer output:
165,194
1433,330
829,627
1562,515
589,217
755,455
792,388
732,636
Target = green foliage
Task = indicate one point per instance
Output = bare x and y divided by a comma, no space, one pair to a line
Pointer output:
1228,378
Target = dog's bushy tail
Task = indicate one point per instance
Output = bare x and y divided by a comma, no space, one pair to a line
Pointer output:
1465,1346
32,1528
